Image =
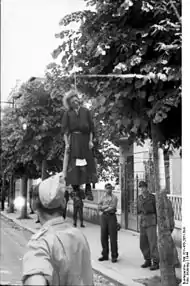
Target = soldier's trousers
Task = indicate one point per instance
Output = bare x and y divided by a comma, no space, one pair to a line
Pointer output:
148,243
108,225
78,210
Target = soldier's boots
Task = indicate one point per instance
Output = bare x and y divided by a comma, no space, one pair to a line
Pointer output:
75,225
146,264
155,266
102,258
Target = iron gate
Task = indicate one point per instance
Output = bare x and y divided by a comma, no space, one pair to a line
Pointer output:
130,192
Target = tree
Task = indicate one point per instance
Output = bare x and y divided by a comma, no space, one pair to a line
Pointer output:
109,170
131,37
42,141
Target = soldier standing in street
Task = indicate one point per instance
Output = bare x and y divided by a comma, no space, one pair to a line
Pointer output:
148,221
58,254
78,207
108,207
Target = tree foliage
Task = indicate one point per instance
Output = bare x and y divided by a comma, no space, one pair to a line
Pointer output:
24,150
128,37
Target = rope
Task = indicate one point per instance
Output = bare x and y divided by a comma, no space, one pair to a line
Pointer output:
74,62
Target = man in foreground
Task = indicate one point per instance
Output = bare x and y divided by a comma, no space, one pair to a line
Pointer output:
57,254
146,208
108,207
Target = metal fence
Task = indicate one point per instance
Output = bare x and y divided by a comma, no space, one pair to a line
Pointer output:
177,206
132,205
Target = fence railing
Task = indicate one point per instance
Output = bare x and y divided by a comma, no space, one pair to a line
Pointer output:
175,200
177,206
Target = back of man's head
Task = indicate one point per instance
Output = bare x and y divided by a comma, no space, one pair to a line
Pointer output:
49,196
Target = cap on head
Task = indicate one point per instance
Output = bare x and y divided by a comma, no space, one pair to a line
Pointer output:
143,184
108,186
51,192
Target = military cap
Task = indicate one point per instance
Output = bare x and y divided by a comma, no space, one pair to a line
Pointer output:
143,184
52,191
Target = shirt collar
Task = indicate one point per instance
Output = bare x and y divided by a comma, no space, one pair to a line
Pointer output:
54,221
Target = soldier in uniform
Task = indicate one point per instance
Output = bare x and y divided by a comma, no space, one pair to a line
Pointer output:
108,224
78,207
148,222
58,254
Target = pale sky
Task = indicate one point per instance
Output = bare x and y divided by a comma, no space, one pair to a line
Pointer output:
27,37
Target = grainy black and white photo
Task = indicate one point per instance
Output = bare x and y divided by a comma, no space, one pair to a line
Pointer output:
91,143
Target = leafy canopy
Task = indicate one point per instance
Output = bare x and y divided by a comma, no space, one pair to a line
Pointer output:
127,37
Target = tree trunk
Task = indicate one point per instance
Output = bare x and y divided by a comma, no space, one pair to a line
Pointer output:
165,241
11,195
24,195
3,193
44,170
167,170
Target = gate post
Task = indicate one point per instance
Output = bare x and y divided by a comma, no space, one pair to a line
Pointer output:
126,151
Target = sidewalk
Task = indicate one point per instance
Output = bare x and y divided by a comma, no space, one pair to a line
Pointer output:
126,271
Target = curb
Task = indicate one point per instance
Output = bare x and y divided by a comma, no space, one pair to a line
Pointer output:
16,221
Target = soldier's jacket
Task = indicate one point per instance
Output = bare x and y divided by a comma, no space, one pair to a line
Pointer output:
146,207
59,252
77,202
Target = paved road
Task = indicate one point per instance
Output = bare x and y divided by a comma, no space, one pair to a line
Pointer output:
13,241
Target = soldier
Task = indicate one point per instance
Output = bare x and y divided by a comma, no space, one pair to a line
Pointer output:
78,207
55,252
148,221
108,224
66,197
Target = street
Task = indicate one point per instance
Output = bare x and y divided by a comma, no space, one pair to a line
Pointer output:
13,243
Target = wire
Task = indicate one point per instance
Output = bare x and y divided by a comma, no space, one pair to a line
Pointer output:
123,76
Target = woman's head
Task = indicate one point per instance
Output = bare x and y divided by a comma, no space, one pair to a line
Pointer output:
71,100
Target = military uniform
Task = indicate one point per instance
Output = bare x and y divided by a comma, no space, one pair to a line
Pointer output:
108,224
78,207
58,252
148,223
